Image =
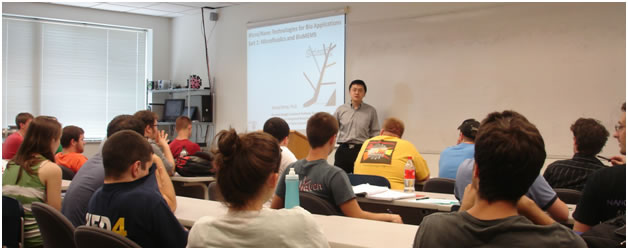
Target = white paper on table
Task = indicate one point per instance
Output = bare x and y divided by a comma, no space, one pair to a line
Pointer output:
439,201
368,189
390,195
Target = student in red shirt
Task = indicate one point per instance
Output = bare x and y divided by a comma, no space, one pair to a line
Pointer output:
13,142
72,141
183,126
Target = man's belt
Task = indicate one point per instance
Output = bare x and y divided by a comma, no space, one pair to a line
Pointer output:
351,145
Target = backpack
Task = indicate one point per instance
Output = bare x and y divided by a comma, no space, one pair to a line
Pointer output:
191,165
611,233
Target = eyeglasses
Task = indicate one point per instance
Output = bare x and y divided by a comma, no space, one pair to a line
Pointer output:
619,127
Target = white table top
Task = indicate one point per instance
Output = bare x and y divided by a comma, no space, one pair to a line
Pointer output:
412,202
180,178
65,184
340,231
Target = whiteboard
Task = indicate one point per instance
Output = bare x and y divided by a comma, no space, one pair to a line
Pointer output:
552,62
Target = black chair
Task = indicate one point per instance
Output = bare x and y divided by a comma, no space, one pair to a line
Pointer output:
55,229
568,196
12,223
440,185
95,237
66,173
357,179
316,205
214,193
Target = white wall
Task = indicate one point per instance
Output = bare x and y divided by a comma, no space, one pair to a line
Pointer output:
440,63
161,26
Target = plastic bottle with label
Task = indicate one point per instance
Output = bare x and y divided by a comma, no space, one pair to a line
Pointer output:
409,176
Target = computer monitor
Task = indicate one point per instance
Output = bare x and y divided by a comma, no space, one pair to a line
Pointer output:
192,115
173,109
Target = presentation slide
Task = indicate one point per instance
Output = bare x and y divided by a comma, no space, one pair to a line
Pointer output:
295,70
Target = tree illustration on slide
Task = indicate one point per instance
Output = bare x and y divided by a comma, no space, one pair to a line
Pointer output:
326,52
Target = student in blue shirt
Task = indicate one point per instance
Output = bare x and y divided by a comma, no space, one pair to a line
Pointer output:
452,156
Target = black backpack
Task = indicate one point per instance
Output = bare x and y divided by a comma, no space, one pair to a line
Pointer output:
192,165
611,233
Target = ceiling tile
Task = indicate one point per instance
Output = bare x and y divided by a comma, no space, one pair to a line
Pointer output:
79,4
195,4
193,12
106,6
174,15
149,12
170,7
135,4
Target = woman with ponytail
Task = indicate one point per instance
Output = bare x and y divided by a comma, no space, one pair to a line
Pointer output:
248,166
32,176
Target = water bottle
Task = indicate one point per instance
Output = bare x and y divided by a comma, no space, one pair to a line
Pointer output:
183,153
292,189
409,176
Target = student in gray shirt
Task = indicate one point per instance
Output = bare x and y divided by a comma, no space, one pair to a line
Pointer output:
157,139
509,154
318,177
357,122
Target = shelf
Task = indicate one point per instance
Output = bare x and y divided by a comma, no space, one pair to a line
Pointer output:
191,91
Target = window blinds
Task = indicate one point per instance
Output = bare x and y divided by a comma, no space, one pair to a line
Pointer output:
83,75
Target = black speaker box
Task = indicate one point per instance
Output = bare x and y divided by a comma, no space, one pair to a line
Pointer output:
206,108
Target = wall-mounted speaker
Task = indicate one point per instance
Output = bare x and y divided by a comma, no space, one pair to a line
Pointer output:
206,108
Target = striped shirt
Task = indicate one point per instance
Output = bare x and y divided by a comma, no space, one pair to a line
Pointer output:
572,173
27,190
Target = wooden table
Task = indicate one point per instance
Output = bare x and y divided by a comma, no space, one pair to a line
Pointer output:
340,231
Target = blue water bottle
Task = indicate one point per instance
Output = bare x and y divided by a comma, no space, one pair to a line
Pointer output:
292,189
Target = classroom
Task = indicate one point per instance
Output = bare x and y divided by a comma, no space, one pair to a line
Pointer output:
431,65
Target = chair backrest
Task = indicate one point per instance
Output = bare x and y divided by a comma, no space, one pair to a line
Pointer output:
316,205
55,229
440,185
568,196
66,173
12,222
95,237
357,179
214,192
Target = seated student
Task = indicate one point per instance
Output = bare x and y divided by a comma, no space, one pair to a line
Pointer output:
12,143
540,192
247,176
452,156
326,181
279,129
589,137
92,175
128,203
509,153
183,125
604,195
73,144
32,176
386,155
158,140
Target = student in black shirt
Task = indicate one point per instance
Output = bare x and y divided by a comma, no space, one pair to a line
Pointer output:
590,136
604,195
129,203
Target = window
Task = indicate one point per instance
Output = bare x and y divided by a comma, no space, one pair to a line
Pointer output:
83,74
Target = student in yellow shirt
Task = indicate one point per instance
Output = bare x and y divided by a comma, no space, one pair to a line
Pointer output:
386,155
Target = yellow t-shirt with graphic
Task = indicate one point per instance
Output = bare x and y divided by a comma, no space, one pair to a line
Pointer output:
386,156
